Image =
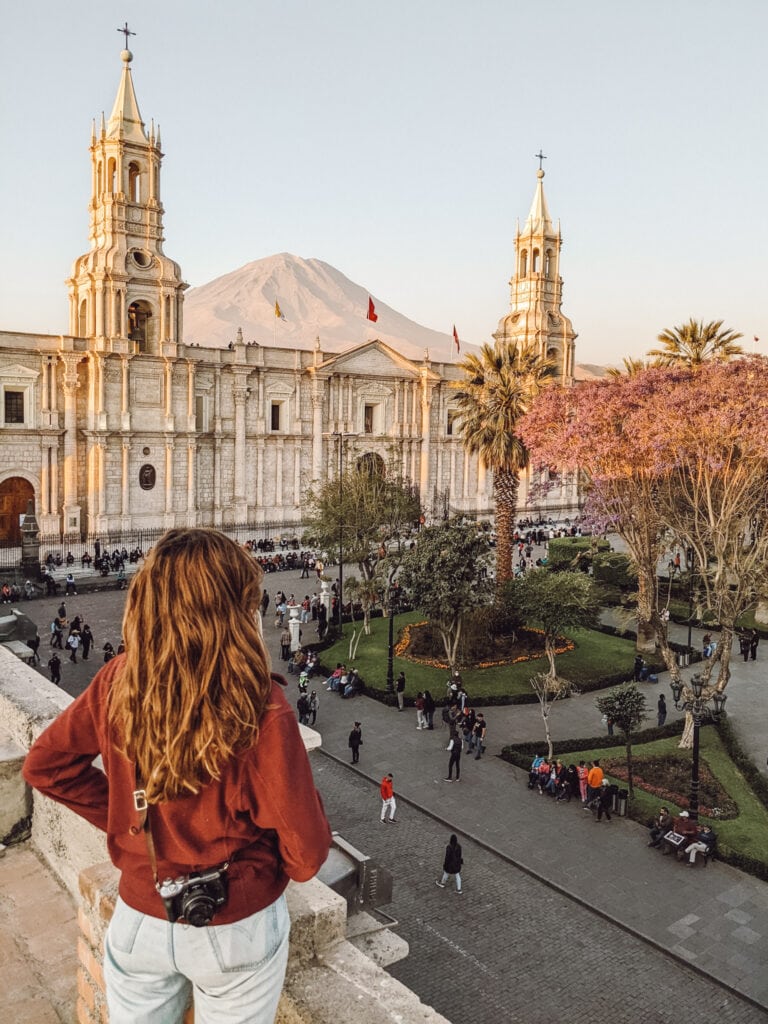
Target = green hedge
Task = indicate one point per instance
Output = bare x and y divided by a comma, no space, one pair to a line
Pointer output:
614,568
563,550
521,754
742,760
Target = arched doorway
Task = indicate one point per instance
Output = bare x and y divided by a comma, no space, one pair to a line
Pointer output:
372,464
14,495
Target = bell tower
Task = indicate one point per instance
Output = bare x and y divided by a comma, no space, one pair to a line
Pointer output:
125,294
535,315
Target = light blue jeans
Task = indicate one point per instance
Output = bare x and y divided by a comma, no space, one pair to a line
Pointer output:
234,972
456,878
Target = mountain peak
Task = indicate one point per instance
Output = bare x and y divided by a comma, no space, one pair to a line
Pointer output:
315,299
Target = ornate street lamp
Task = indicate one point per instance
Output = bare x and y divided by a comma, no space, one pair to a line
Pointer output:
392,598
699,708
340,594
689,567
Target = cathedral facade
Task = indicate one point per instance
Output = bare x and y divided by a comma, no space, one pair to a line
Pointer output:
119,427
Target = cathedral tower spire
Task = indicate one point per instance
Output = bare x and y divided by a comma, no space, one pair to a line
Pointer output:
126,295
535,315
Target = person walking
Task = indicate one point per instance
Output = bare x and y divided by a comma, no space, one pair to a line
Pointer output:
33,644
355,742
478,734
388,802
429,709
285,644
594,782
452,864
86,639
400,691
54,666
204,780
421,721
604,800
314,706
57,633
744,646
73,643
455,744
754,640
661,710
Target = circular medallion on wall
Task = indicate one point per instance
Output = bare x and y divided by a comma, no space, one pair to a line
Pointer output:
147,477
134,214
145,451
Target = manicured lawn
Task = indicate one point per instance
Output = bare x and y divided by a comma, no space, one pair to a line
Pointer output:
595,656
744,834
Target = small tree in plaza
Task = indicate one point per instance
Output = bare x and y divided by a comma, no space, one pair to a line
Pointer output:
366,511
625,706
548,689
446,576
556,601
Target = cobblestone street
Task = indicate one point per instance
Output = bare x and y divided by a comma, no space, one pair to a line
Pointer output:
510,949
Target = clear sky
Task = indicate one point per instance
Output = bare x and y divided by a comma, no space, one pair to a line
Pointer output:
396,141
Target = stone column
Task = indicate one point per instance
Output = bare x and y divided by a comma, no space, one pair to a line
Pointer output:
240,394
294,626
317,432
191,481
125,416
125,492
169,446
72,509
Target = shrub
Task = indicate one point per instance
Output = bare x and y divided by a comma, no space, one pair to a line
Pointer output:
615,569
573,552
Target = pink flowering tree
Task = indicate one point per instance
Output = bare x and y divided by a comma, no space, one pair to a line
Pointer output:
673,453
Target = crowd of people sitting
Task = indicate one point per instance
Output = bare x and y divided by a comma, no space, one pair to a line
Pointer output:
587,782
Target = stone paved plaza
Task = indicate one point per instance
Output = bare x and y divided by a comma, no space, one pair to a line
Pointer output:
562,918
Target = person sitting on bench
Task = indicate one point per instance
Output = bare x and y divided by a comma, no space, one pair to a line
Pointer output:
704,844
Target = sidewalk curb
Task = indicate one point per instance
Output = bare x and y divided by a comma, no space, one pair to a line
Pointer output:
532,873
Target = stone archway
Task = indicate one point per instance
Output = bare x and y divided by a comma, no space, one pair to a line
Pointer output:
372,464
15,492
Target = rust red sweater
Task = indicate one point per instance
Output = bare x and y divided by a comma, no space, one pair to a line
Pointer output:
264,809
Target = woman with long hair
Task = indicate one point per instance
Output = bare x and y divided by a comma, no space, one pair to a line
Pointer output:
206,793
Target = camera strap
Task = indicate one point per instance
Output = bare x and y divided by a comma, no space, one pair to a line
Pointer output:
141,806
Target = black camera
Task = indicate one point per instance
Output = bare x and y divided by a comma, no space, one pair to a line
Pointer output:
195,898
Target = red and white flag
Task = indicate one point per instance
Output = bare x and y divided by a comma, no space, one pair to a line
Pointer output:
372,314
456,339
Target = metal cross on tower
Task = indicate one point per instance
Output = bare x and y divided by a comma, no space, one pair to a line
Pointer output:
539,156
126,32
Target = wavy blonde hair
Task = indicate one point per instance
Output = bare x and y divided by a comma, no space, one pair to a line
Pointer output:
196,677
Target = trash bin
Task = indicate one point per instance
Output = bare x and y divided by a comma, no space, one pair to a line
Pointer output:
623,797
613,789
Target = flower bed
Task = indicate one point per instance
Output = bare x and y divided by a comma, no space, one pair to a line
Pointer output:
417,644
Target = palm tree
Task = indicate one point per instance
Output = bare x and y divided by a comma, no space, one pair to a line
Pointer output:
695,343
631,367
497,389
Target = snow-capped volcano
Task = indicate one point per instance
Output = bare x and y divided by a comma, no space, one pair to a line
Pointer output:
314,298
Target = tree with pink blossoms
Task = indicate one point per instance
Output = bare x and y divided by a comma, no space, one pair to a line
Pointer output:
673,454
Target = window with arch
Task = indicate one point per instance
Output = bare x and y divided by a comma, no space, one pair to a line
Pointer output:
134,182
111,174
524,263
99,178
140,325
548,263
167,325
535,261
82,319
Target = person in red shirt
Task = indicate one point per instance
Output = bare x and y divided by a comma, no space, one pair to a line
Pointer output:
206,793
388,801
